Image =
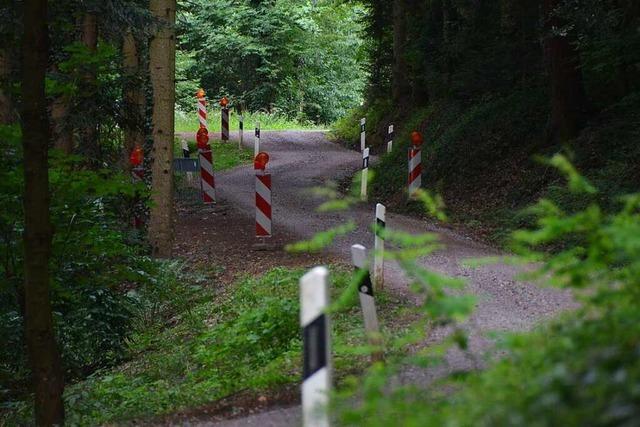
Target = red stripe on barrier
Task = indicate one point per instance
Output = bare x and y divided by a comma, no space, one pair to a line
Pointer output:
261,232
415,173
263,206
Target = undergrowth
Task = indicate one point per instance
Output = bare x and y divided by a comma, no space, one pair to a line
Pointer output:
188,122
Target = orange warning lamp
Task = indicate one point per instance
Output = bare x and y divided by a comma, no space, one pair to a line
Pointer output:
202,138
416,138
200,93
224,102
136,157
261,160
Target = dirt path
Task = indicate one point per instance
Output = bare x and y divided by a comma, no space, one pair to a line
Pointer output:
302,160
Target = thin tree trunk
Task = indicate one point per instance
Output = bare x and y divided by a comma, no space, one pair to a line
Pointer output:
7,115
568,99
89,131
41,345
162,63
401,90
133,97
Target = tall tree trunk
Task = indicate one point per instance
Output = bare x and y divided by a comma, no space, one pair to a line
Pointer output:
7,115
162,63
89,130
133,96
62,131
401,89
568,99
41,345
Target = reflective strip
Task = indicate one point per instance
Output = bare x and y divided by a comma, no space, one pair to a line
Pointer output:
263,205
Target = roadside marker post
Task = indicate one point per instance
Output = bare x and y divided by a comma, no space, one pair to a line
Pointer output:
415,164
363,127
202,108
207,180
263,196
316,372
185,149
378,260
256,140
365,174
224,116
390,141
240,130
367,301
137,174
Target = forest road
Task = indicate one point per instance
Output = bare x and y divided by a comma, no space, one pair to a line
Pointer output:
301,160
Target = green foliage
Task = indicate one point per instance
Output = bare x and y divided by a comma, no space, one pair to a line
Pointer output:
295,59
226,155
188,122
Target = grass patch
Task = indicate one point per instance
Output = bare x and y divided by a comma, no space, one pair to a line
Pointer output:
226,155
192,345
188,122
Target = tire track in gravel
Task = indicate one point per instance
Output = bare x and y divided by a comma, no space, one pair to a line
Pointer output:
301,160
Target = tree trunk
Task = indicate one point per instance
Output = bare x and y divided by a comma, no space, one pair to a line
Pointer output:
7,115
401,89
62,131
89,130
568,99
162,64
41,345
133,96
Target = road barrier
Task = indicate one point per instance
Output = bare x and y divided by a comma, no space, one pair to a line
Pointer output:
367,300
207,180
415,163
256,140
202,108
316,372
224,117
365,174
378,263
363,129
390,139
263,196
137,175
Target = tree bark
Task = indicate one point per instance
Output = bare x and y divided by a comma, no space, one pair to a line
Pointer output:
89,130
401,89
568,99
7,115
162,63
133,96
41,345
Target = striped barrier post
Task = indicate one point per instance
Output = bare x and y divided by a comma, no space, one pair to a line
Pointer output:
316,372
365,174
378,260
224,118
256,140
263,196
240,130
207,180
390,139
202,108
367,300
363,126
415,163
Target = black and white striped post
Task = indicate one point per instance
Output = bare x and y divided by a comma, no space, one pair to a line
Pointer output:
367,300
316,376
390,139
365,174
363,127
256,141
378,260
240,130
185,149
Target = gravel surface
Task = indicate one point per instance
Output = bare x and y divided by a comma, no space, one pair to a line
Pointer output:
302,160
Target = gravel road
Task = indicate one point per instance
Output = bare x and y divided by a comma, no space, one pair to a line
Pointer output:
302,160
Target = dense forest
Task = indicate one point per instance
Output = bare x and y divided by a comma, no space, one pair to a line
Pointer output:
126,299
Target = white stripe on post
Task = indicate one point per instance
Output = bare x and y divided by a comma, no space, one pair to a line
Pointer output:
363,125
316,376
415,170
365,174
256,141
202,112
367,301
378,264
390,142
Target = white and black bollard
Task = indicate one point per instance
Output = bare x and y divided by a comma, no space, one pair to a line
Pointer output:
390,139
365,174
378,260
185,149
316,372
367,300
363,126
240,130
256,140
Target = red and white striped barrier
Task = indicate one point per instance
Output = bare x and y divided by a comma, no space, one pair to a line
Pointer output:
415,163
263,204
137,174
225,124
202,111
207,180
